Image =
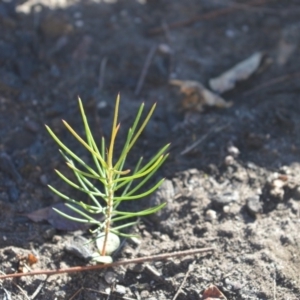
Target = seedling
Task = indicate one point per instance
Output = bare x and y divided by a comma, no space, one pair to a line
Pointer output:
108,183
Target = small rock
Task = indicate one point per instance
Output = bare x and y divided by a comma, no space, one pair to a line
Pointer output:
253,205
120,289
144,294
226,209
110,277
78,247
277,190
164,49
102,106
210,215
112,242
232,150
44,179
229,160
136,241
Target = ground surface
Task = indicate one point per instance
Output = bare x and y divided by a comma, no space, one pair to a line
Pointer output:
245,205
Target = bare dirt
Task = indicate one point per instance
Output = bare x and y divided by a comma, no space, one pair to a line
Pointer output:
237,190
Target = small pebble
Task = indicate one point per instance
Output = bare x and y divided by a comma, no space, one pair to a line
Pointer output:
120,289
253,205
144,294
232,150
210,215
229,160
135,240
164,49
110,277
226,209
44,179
78,247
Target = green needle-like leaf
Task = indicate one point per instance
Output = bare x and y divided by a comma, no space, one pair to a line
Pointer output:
74,185
84,143
75,219
90,139
65,148
155,187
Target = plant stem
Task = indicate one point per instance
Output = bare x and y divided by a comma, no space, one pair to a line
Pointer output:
137,260
109,208
110,176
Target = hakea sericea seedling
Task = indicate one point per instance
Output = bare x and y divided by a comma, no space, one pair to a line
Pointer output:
108,183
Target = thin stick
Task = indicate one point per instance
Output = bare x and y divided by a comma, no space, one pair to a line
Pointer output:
205,136
207,16
76,293
138,260
32,297
145,70
166,30
191,268
273,81
102,73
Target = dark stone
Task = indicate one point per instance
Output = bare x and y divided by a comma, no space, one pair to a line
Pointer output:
78,247
253,205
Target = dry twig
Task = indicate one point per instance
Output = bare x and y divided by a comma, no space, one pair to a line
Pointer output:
138,260
205,136
191,268
33,296
273,81
208,16
145,70
102,73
